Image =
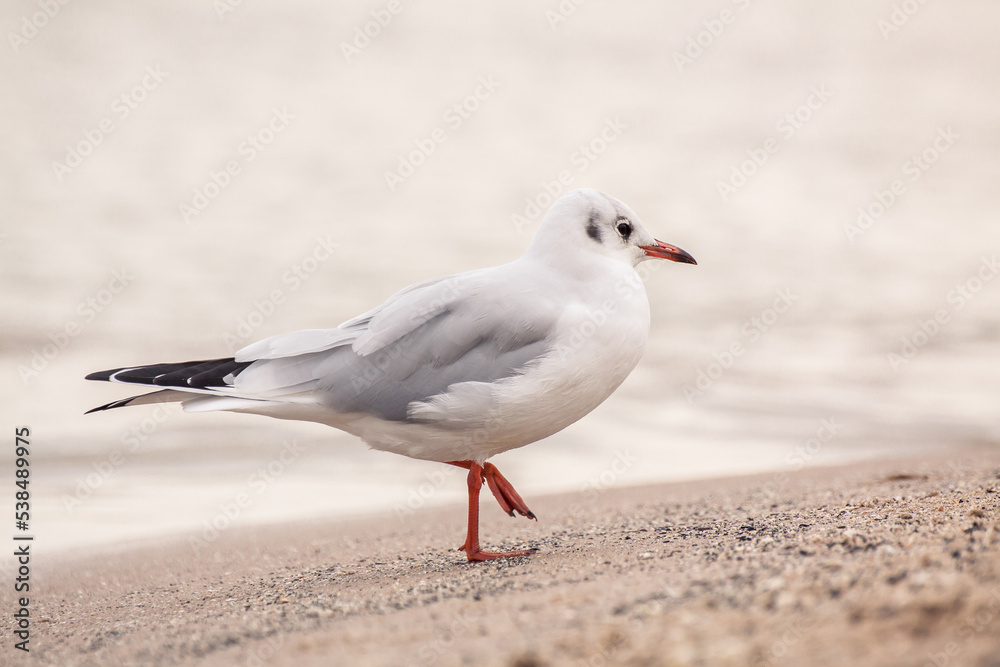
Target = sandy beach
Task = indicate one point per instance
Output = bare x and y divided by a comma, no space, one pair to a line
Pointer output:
885,563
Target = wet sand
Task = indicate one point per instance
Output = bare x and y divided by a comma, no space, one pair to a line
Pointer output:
883,563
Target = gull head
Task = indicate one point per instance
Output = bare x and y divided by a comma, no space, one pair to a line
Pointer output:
589,221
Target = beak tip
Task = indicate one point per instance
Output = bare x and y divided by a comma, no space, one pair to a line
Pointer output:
666,251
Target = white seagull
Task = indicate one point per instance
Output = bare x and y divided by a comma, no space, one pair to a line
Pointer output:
460,368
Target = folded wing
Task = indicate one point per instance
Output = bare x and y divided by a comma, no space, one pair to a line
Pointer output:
444,339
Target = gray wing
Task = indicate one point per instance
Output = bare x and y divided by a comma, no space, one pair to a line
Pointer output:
462,329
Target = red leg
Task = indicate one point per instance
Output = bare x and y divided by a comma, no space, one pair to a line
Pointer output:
471,547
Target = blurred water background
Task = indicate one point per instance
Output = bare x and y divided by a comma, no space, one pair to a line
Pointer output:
180,178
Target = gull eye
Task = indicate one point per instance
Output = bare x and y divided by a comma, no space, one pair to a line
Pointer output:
624,228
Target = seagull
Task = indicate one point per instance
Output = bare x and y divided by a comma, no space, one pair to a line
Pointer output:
460,368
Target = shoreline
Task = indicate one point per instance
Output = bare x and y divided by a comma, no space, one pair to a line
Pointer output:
880,562
84,534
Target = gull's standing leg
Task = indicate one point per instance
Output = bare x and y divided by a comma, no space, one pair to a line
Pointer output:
471,546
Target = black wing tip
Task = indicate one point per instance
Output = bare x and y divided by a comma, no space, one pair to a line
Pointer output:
198,374
206,374
104,376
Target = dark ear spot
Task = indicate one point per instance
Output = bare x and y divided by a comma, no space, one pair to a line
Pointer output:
594,229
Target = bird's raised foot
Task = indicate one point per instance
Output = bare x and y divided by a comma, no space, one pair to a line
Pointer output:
478,555
509,499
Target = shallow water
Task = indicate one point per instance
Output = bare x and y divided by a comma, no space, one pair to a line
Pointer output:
259,116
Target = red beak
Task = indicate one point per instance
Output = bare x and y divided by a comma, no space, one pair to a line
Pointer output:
667,251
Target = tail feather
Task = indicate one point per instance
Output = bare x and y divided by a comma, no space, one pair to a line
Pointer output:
162,396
